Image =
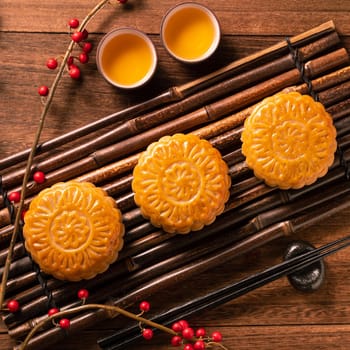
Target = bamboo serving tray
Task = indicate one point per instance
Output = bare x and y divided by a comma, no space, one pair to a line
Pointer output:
213,107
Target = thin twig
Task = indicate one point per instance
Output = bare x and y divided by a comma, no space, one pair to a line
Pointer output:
114,309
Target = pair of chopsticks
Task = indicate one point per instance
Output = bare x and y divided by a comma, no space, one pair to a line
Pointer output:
218,297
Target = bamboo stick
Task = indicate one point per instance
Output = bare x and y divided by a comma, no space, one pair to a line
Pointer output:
324,82
18,266
22,282
139,231
18,251
340,110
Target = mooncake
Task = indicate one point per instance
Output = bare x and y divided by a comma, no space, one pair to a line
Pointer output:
73,230
289,140
181,183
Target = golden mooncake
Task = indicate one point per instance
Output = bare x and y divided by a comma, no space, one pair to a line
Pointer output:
289,140
181,183
73,230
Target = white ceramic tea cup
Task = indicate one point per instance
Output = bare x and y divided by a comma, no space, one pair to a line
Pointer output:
190,32
126,58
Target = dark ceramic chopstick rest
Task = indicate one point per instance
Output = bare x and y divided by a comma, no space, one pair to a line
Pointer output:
309,278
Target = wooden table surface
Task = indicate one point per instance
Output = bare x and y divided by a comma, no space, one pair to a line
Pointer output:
273,317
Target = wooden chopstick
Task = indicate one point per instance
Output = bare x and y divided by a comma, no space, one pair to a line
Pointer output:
220,296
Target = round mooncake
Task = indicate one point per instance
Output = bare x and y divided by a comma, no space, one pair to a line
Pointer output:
73,230
181,183
289,140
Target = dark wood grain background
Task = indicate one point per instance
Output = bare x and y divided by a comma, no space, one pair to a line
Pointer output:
273,317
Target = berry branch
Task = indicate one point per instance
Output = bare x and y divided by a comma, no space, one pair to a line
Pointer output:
181,332
49,94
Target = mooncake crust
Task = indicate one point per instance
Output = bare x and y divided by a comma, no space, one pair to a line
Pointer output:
181,183
73,230
289,140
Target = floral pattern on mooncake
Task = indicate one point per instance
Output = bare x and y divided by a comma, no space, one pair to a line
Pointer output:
289,140
181,183
73,230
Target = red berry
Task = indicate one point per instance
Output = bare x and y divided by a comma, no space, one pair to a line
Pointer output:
43,90
23,214
13,305
70,61
216,336
123,1
39,177
147,333
188,333
84,58
14,196
64,323
184,324
145,306
199,345
85,34
73,23
176,340
74,72
52,63
87,47
200,333
177,327
53,311
77,37
83,294
188,347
